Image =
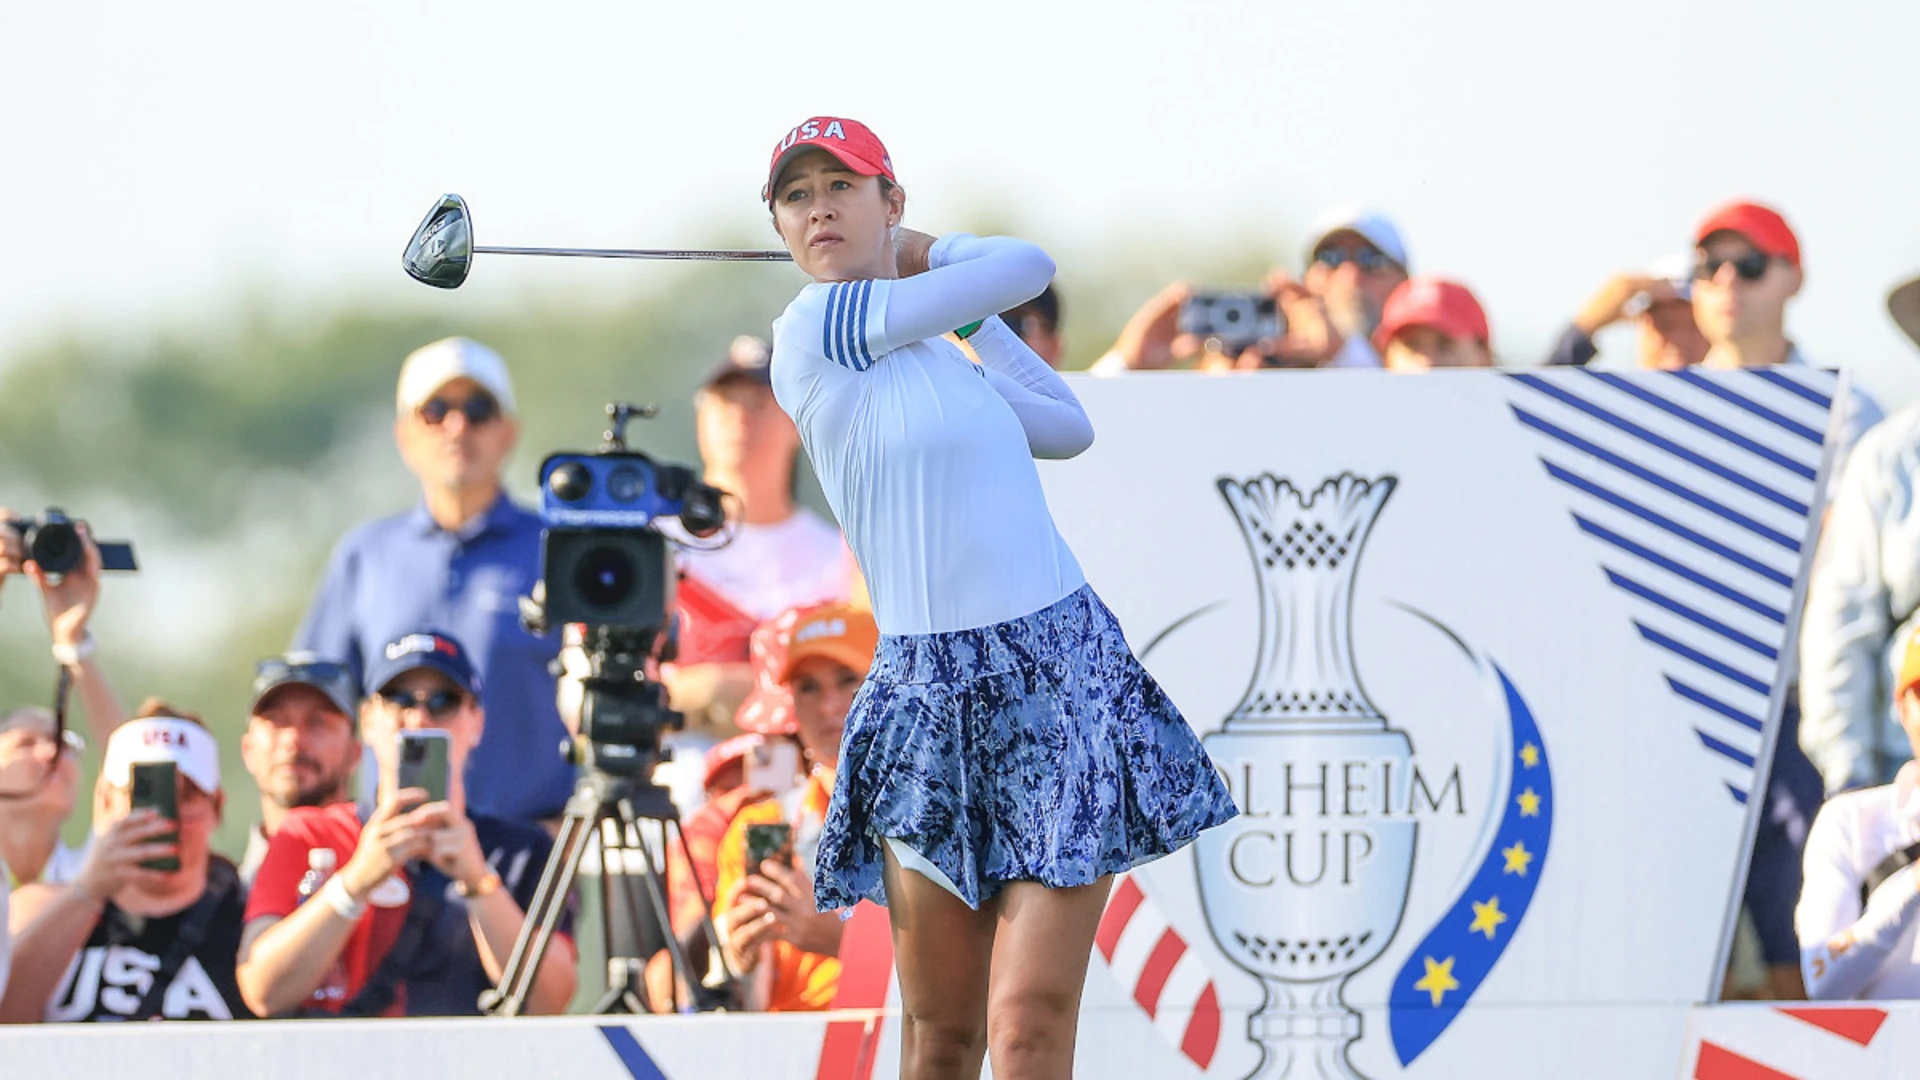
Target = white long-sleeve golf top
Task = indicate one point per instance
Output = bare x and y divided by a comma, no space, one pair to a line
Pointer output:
927,458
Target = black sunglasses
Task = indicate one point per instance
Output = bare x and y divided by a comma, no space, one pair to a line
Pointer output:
478,409
1751,267
439,704
1369,260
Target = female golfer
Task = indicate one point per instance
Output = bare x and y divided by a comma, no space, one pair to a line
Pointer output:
1006,755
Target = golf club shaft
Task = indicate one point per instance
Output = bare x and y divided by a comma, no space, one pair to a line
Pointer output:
629,253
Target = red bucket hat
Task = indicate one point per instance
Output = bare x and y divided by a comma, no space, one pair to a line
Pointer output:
850,142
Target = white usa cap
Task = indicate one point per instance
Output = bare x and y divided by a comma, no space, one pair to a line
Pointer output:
431,367
1372,225
189,746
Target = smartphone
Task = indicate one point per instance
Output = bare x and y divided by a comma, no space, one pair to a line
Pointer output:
769,841
774,766
424,758
153,788
1233,319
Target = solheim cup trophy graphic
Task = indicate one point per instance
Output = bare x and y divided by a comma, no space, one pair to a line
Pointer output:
1307,886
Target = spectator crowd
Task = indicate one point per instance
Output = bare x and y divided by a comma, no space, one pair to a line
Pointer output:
364,890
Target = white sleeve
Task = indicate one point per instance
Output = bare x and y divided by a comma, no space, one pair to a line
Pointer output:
969,279
1844,629
1842,945
1055,423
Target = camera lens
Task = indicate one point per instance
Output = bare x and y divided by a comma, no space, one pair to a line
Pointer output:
626,484
604,577
56,547
570,482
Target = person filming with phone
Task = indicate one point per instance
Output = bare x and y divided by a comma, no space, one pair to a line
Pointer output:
421,913
788,951
150,926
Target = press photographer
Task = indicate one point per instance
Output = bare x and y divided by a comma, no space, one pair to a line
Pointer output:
39,760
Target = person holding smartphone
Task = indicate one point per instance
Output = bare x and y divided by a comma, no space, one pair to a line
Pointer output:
764,907
424,911
150,927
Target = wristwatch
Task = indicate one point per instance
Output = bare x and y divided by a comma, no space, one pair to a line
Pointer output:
486,886
72,655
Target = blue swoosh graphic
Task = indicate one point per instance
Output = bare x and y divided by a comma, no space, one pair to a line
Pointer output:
1442,973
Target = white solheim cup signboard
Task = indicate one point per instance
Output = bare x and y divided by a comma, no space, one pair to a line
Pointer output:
1490,663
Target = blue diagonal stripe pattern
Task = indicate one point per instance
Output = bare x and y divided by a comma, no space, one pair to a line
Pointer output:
1696,488
1443,971
627,1049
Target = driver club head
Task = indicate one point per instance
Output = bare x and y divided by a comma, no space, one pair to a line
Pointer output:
441,251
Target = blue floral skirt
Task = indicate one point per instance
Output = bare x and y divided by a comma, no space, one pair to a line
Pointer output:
1036,749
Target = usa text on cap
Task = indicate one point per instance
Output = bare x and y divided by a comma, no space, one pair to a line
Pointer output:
152,739
850,142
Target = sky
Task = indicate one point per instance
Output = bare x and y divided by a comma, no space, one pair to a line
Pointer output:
166,163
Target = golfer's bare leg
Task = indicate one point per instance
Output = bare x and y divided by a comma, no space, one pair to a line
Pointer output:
941,949
1040,953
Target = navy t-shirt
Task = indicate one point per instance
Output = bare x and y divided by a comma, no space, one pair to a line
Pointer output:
445,977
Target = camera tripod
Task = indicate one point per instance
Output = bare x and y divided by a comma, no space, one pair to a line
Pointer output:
613,806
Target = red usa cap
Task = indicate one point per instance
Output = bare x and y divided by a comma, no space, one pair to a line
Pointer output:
851,143
1763,227
1447,306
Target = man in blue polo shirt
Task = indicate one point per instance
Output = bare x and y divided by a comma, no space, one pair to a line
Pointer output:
459,560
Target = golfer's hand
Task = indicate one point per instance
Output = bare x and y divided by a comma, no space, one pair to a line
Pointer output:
911,252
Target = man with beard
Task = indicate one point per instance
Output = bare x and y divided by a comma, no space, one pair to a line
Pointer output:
300,745
1354,262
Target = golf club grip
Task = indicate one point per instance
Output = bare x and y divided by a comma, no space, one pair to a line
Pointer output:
628,253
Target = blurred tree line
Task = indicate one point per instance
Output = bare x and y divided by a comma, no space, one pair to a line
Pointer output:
236,452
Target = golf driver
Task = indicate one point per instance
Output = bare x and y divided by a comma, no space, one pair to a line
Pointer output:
442,249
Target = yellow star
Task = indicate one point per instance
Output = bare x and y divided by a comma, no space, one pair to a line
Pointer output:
1486,917
1518,857
1529,803
1438,979
1529,755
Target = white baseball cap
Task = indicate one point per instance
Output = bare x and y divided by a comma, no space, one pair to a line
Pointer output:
191,748
1375,227
431,367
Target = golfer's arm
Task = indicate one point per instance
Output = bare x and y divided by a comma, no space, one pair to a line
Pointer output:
971,278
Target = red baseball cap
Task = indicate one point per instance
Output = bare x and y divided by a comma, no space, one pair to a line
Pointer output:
851,143
1763,227
1447,306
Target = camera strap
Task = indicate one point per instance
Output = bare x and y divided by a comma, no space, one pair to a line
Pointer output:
1889,866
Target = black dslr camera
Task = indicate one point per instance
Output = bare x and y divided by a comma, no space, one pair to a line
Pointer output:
605,564
52,541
